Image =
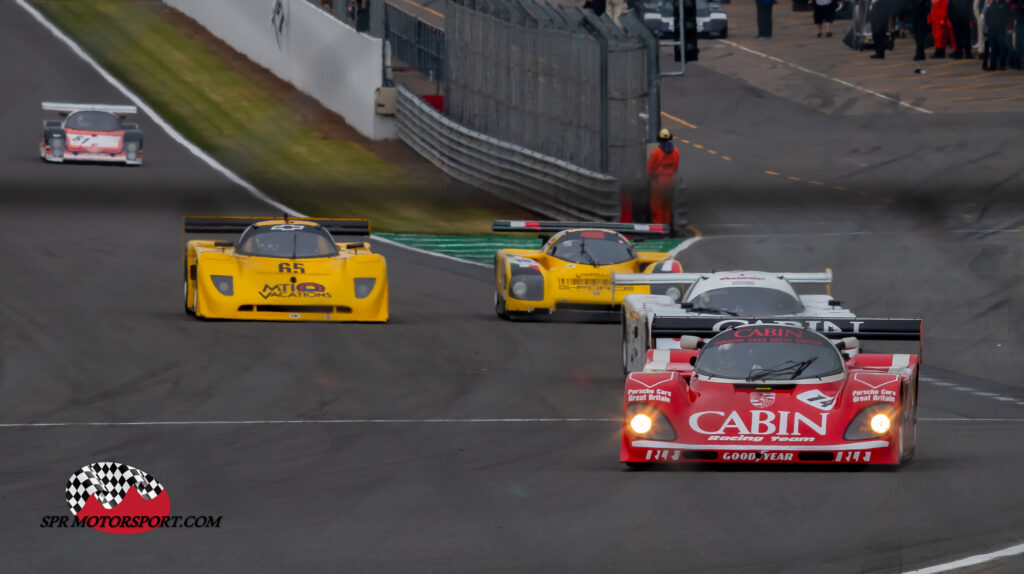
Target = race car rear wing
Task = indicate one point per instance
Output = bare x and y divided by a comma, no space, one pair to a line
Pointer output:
688,278
229,224
652,229
833,328
66,108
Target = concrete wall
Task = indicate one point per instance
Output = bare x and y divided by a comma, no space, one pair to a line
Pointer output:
314,51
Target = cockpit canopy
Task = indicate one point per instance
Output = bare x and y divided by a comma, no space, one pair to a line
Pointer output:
93,121
749,301
591,247
294,240
769,352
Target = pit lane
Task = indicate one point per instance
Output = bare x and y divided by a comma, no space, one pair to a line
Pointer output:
92,329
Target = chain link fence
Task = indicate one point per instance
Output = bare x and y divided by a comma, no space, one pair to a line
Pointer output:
415,43
550,79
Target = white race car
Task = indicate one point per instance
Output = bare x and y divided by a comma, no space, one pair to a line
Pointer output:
91,132
647,319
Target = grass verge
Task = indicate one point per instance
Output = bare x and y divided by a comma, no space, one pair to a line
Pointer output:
262,131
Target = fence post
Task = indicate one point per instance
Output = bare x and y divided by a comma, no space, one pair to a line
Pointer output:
593,26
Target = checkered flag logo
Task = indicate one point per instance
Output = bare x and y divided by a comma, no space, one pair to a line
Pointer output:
109,482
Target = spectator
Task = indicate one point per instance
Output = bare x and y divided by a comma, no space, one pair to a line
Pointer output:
764,18
598,6
878,16
942,29
1018,34
824,15
960,14
919,10
997,17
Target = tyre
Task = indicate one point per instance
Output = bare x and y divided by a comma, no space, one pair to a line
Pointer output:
499,305
639,465
725,33
187,308
499,299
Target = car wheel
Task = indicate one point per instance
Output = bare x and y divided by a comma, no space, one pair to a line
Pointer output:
187,308
625,356
725,33
499,305
195,300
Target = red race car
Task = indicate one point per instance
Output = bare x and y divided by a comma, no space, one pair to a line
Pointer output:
774,393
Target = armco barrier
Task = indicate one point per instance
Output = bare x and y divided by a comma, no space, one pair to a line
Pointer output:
526,178
307,46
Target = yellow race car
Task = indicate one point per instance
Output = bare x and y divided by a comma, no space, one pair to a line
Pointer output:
573,269
284,269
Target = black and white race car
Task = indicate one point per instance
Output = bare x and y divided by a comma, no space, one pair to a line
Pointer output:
723,294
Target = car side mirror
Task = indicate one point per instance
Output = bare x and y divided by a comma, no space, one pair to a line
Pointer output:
693,360
834,303
354,245
690,342
223,243
847,344
687,305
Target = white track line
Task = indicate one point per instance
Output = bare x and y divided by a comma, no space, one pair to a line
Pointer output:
684,245
966,420
827,77
299,422
426,252
374,421
970,561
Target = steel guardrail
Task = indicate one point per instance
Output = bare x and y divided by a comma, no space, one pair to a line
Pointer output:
521,176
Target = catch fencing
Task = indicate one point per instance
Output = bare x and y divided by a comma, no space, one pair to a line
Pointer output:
564,83
540,183
414,42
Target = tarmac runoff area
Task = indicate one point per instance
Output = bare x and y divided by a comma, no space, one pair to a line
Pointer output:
226,414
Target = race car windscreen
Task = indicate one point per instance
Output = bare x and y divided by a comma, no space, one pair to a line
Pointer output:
592,247
752,301
93,121
287,240
769,352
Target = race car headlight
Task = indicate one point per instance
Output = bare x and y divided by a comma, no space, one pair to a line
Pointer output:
648,422
519,289
872,422
364,286
57,147
131,149
880,423
674,293
224,283
640,423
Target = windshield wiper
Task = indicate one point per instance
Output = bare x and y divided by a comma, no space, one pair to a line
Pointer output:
295,245
791,367
585,253
713,310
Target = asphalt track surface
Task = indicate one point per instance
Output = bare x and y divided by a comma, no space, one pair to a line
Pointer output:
92,330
